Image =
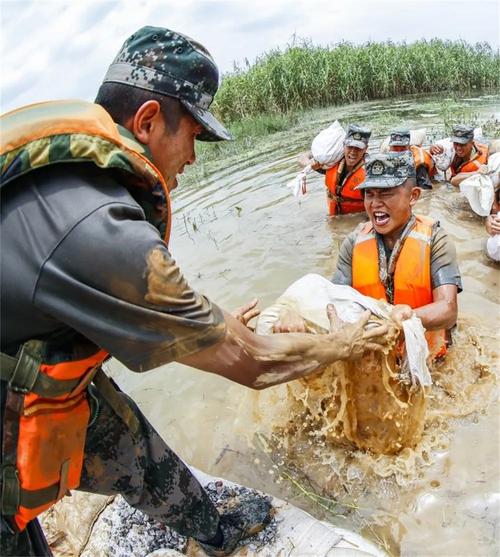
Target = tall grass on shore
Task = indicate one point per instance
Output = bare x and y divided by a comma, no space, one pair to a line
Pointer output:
305,76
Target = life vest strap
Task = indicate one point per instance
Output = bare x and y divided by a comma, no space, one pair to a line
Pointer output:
23,373
111,394
13,496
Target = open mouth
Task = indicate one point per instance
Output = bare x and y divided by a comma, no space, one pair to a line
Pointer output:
381,219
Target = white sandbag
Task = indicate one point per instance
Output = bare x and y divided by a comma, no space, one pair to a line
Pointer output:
417,137
327,147
479,189
493,247
310,295
110,526
494,164
443,161
479,192
494,146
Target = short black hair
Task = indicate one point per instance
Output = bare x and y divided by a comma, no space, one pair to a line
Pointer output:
122,101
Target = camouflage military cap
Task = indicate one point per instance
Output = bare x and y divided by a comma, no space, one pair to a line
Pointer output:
388,171
357,136
462,133
172,64
400,137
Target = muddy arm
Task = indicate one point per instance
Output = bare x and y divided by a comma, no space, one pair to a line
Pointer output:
260,361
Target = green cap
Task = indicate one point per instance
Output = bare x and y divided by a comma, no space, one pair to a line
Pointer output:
462,133
388,171
172,64
357,136
400,137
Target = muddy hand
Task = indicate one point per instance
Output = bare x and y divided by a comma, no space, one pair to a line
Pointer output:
247,312
289,321
400,313
354,337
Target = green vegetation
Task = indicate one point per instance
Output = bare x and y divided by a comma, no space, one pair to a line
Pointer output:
305,76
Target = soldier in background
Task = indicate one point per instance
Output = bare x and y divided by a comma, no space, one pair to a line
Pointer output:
403,258
343,177
470,156
399,142
87,274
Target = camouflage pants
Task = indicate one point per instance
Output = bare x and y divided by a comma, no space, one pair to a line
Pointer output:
144,470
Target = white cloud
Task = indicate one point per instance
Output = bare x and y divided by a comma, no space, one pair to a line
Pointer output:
59,49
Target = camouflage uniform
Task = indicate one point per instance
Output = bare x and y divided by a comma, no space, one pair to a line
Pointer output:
88,299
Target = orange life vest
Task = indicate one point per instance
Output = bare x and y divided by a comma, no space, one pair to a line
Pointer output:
342,198
412,275
472,165
422,157
47,408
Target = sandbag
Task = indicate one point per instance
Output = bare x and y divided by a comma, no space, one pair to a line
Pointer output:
493,247
376,403
479,189
327,147
417,137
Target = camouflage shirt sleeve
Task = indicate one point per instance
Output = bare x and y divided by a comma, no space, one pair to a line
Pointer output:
444,266
112,278
343,273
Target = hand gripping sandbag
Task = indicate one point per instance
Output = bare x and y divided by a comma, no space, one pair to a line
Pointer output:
376,403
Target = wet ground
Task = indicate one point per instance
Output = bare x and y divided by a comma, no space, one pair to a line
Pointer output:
238,233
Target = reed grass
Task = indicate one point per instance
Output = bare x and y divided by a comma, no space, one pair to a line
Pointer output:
304,76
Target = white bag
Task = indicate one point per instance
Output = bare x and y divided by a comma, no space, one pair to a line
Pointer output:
443,160
327,147
479,189
493,247
310,295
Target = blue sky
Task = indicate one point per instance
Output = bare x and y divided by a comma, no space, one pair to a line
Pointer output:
61,49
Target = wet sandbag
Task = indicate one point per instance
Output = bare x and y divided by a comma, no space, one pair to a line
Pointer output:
376,403
116,528
479,189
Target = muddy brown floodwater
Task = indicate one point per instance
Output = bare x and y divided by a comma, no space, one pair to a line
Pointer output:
238,233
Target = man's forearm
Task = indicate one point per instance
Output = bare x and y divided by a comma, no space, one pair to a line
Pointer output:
459,178
260,361
438,315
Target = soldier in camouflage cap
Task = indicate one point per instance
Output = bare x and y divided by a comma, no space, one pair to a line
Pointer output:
357,136
462,133
470,156
388,171
400,138
171,64
87,234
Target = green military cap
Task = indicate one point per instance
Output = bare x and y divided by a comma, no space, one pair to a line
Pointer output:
388,171
357,136
461,133
172,64
400,137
